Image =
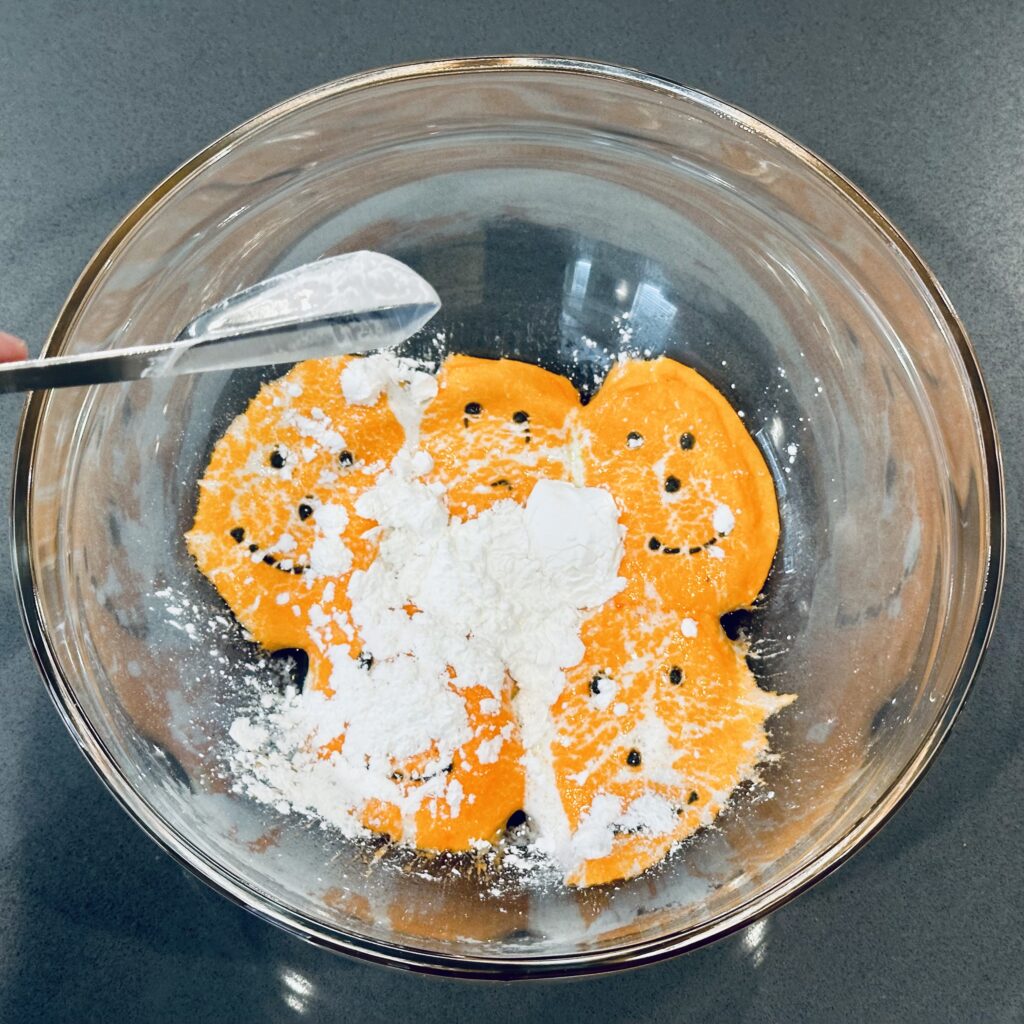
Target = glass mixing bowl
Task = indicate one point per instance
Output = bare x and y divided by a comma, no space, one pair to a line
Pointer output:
565,212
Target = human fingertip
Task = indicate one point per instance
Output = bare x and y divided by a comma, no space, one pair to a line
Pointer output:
12,348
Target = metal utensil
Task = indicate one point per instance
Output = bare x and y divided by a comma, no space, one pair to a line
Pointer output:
352,303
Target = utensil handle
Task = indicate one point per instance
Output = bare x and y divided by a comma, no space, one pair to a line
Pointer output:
80,370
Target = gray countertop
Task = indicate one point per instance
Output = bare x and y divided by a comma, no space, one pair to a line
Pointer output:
920,103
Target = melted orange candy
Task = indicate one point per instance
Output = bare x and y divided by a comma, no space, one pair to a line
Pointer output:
495,428
265,480
671,450
701,521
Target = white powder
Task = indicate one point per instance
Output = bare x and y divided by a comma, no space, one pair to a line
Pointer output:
650,814
453,794
723,519
446,605
492,596
316,429
499,595
408,388
328,555
364,380
489,751
394,710
593,838
569,527
606,690
247,735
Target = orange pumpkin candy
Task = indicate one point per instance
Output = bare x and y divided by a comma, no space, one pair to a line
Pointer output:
701,528
496,427
697,500
299,447
663,703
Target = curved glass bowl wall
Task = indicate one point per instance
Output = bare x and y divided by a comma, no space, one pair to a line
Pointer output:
565,212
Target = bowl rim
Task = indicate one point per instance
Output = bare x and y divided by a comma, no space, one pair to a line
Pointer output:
407,956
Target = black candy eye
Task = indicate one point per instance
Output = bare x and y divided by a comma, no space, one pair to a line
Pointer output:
634,439
654,543
595,685
276,459
517,417
238,535
346,458
633,758
693,797
474,408
305,511
675,675
687,441
672,484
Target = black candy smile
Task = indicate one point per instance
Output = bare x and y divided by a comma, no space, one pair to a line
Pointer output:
655,545
237,534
